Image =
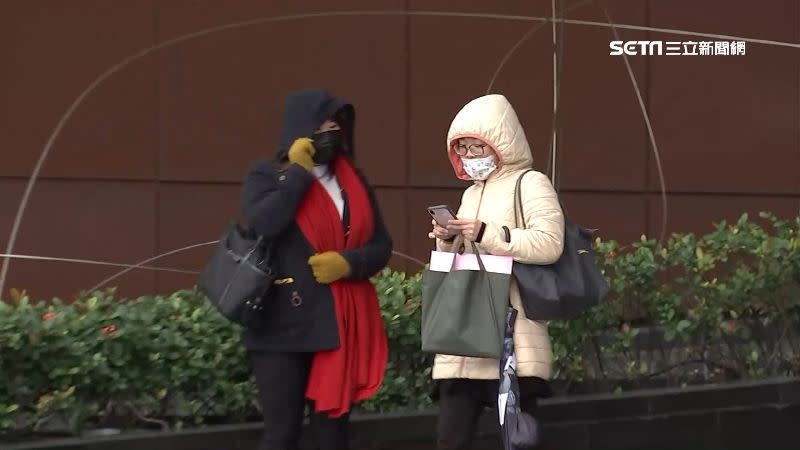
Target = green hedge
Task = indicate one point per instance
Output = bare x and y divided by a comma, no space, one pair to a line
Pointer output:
163,361
171,361
724,291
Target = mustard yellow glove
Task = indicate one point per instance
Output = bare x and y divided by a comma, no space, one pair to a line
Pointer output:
301,152
329,267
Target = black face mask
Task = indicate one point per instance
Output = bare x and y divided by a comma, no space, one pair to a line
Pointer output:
327,146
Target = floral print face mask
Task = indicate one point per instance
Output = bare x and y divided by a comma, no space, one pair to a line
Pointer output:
479,168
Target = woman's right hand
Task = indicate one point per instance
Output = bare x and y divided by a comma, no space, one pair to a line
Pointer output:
301,152
439,232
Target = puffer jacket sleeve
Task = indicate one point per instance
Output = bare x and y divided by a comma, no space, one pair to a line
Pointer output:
543,240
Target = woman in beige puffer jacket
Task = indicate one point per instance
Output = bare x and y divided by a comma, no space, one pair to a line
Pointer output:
486,144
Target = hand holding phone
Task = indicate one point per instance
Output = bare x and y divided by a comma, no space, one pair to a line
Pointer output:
441,214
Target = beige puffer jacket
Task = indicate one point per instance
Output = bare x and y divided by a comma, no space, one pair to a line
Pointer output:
492,119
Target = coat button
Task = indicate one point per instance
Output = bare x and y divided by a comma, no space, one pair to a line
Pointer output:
282,178
296,300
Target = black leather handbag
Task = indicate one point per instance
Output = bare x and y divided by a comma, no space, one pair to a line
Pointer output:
567,288
239,276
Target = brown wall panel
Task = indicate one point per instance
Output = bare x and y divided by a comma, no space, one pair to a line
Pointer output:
197,114
10,195
55,50
393,208
698,213
724,122
520,8
619,217
453,62
595,119
190,214
107,221
603,140
527,82
244,76
196,16
766,20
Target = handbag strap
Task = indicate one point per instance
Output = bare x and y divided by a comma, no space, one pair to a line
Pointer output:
518,211
459,240
265,263
456,246
489,282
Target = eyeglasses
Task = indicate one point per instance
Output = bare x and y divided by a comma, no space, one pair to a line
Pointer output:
472,149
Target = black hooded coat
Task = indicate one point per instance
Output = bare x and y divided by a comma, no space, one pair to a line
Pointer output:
300,315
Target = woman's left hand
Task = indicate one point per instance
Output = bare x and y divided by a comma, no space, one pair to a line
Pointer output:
469,228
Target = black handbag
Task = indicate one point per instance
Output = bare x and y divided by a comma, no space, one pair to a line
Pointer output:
567,288
239,276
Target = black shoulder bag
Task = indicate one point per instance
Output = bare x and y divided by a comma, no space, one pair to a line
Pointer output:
567,288
239,276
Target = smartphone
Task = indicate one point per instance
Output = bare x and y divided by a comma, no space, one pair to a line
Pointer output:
441,214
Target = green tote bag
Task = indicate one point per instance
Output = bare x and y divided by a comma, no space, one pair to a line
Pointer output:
464,305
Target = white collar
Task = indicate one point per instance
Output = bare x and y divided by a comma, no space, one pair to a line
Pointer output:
321,171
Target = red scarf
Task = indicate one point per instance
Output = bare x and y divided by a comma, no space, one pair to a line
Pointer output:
354,371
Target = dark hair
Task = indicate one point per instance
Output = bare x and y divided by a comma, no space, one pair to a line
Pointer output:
344,117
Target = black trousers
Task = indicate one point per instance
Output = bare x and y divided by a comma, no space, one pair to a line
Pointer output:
281,379
461,403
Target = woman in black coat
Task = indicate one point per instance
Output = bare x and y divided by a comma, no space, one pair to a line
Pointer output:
323,342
